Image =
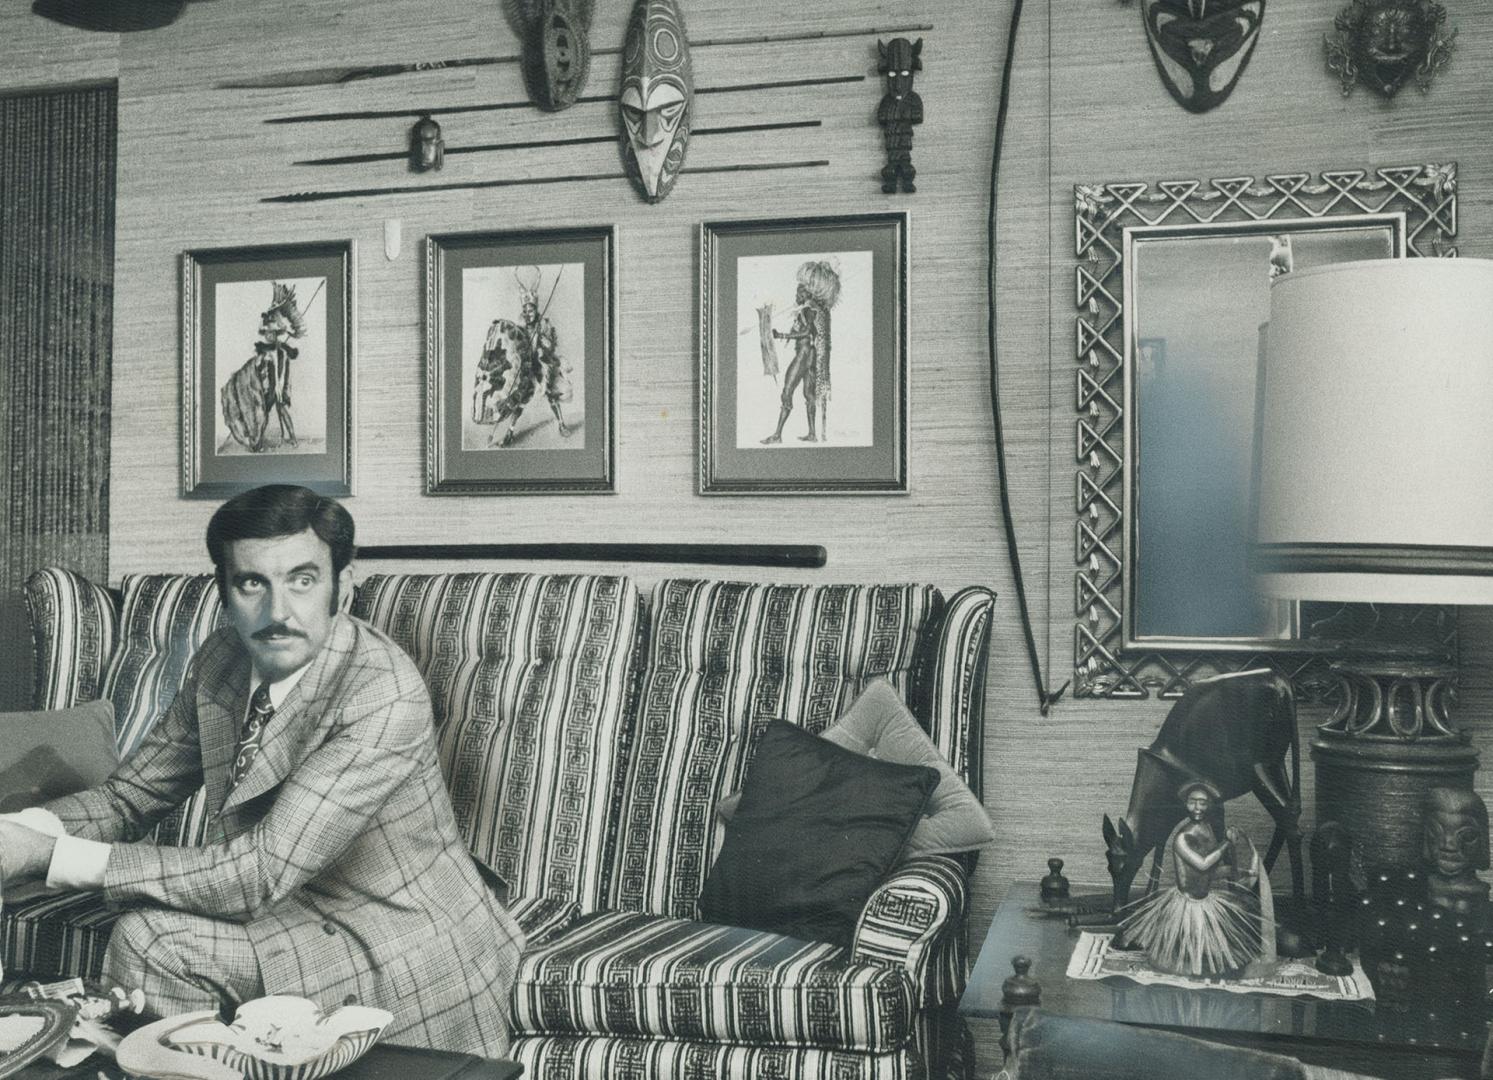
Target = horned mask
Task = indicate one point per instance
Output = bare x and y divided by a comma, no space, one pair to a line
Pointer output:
1201,46
657,94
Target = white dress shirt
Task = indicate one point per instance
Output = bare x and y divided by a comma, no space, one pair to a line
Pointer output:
78,863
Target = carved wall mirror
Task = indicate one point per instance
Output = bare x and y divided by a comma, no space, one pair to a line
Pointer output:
1172,289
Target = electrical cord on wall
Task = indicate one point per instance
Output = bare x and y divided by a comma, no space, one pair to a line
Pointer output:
1045,698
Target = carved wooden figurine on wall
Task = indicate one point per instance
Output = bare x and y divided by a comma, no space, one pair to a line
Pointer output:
1382,43
556,37
1201,47
899,110
427,148
656,97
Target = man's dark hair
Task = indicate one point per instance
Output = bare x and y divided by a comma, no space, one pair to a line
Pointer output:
279,510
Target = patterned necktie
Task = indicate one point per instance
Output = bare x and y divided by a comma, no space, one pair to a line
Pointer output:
260,714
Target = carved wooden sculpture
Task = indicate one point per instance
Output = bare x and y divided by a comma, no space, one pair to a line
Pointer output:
899,110
1233,731
556,36
427,148
656,96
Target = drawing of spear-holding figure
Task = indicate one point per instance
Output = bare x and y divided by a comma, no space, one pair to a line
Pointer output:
518,359
818,291
261,386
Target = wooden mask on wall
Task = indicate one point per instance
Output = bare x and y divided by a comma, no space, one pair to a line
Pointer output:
556,38
1201,46
656,96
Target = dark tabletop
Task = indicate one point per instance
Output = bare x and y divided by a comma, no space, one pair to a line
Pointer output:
1445,1011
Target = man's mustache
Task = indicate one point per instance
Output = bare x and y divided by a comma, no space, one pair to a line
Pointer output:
275,630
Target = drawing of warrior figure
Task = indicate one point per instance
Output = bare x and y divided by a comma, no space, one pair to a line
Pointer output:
818,291
262,385
517,359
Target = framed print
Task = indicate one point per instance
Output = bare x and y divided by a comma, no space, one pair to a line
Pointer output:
803,355
267,347
521,360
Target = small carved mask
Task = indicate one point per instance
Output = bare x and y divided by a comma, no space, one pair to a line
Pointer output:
558,58
898,60
657,94
1201,46
1456,832
427,148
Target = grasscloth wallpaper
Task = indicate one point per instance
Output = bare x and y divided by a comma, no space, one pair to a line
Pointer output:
195,163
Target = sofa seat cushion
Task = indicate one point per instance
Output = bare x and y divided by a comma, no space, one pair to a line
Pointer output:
602,1057
724,659
57,936
650,976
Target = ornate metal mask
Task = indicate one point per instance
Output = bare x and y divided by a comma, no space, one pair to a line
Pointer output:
658,92
1381,43
1201,46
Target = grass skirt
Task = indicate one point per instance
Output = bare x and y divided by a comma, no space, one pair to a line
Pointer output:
1184,935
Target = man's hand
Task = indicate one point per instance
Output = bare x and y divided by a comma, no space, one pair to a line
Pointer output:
24,853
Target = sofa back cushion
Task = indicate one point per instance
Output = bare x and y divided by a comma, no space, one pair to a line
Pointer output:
73,628
529,675
162,622
724,659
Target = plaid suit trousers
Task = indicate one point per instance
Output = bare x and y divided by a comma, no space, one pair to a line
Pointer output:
183,963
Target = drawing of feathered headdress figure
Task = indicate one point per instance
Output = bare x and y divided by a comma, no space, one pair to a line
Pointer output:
282,302
821,279
528,285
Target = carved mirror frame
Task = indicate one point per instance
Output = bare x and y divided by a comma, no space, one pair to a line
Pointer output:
1425,196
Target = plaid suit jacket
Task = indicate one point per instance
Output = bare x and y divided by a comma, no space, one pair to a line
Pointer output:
337,851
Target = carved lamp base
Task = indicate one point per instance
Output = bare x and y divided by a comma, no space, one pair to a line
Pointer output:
1389,742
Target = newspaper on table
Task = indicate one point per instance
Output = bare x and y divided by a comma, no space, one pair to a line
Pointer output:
1094,959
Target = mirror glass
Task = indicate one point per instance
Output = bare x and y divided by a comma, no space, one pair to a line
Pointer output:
1197,300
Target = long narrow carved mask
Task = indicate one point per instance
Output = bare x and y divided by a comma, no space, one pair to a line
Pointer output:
657,95
1202,46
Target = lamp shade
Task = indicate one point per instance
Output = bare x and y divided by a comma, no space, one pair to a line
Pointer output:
1375,434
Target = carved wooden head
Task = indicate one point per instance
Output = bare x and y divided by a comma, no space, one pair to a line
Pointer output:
1383,43
656,96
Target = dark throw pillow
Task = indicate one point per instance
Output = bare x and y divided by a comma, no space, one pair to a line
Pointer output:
45,755
817,830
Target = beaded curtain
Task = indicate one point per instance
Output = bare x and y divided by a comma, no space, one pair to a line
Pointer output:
57,161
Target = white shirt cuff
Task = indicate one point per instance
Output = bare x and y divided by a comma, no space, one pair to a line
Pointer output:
38,819
77,864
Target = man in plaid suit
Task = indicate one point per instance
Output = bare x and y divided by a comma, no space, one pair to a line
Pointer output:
333,867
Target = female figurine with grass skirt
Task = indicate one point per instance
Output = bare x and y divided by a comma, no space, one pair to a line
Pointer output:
1207,924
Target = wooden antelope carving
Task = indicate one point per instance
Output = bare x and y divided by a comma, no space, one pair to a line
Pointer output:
1233,731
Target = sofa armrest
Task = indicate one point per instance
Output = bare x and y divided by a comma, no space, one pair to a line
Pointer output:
915,920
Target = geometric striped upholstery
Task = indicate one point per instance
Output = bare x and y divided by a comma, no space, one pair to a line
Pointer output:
724,658
630,974
905,921
529,676
57,937
954,693
603,1057
73,625
163,620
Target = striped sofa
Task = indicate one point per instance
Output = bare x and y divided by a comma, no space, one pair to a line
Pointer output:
587,730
